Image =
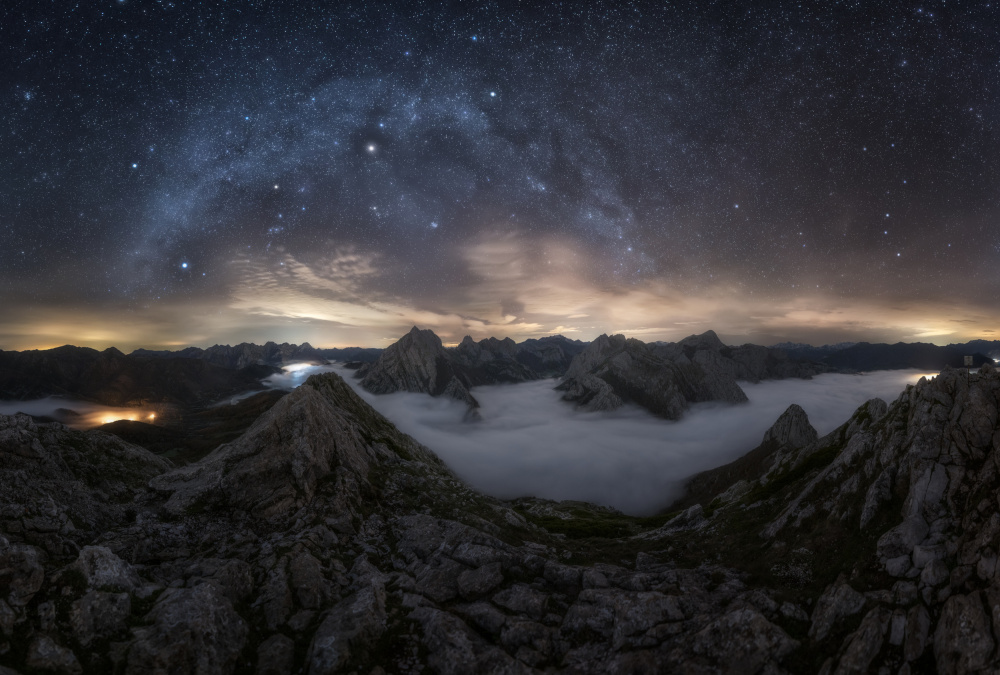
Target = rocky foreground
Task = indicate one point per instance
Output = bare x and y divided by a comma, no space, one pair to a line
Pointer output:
324,540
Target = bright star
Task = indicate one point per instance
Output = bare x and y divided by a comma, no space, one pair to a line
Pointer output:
371,147
184,265
135,166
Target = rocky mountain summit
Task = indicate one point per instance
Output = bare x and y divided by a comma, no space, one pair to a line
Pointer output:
790,432
324,540
419,362
665,378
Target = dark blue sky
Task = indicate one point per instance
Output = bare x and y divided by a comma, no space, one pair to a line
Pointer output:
207,171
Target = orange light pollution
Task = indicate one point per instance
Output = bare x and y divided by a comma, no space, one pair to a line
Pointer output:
327,303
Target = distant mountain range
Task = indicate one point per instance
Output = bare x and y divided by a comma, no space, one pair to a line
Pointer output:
664,377
114,379
419,362
270,353
864,356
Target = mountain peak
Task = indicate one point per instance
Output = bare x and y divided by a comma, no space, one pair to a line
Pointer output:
792,429
706,340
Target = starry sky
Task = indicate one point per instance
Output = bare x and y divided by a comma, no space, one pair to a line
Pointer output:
177,173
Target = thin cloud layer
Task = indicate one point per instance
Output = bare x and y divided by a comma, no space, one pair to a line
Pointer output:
530,443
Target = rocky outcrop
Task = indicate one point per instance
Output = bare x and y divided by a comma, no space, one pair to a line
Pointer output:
613,370
912,489
790,432
61,487
333,539
417,362
317,434
489,361
750,363
549,356
324,540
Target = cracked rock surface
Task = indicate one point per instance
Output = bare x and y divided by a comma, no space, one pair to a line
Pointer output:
324,540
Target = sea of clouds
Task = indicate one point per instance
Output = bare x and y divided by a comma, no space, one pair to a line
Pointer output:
529,442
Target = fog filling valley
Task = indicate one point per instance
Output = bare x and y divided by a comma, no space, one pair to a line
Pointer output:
531,443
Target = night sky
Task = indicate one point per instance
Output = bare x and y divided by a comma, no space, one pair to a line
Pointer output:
176,173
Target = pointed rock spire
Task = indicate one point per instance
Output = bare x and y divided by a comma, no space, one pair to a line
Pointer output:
792,430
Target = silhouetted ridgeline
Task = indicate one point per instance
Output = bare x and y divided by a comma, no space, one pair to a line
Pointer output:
114,379
864,356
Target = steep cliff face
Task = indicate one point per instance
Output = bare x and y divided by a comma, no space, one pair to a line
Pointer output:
417,362
790,432
324,540
666,378
489,361
613,370
750,363
338,542
902,500
549,356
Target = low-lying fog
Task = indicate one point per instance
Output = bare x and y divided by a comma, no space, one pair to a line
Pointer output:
529,442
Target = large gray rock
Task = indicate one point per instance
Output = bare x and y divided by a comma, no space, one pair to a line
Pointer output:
99,614
417,362
742,640
792,429
103,570
276,655
839,600
455,649
22,572
192,631
47,656
613,370
864,644
352,626
963,640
